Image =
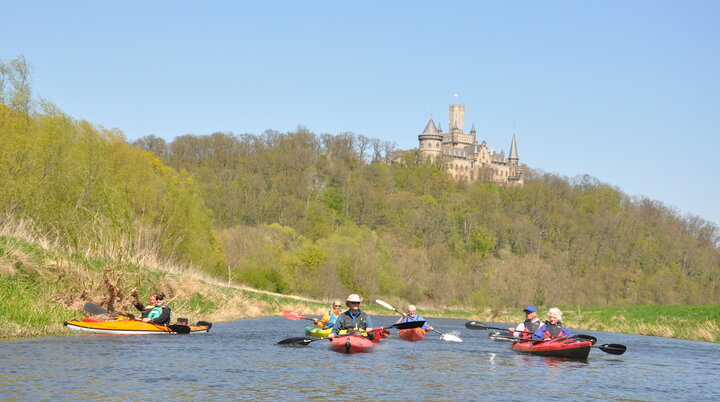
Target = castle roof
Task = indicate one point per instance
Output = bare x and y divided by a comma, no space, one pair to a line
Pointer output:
430,128
513,149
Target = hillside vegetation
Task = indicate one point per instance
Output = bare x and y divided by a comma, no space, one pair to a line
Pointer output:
320,215
324,216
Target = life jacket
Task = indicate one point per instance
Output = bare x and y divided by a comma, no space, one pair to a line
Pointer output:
347,321
156,312
553,331
530,327
328,320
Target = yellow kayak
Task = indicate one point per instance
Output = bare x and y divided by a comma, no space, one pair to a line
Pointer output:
134,327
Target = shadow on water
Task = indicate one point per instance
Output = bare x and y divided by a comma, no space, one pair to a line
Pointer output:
240,360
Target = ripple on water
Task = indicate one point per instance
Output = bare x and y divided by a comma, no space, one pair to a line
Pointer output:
239,360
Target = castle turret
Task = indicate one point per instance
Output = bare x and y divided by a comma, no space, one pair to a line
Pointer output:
513,162
430,140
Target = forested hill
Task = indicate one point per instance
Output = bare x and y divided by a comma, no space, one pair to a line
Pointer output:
321,215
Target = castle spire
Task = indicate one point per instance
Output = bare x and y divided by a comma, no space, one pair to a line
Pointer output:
472,130
513,149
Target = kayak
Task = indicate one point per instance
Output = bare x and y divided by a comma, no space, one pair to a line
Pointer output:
317,331
128,327
351,344
412,334
568,348
324,332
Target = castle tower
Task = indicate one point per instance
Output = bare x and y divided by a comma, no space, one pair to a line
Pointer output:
457,118
513,161
430,140
457,138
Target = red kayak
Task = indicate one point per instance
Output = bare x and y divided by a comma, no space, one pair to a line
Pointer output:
412,335
568,348
351,344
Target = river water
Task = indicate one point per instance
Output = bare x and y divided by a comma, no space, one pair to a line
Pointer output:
240,360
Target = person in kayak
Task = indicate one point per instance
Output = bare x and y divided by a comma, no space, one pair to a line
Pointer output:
159,313
527,327
412,316
329,318
353,319
552,328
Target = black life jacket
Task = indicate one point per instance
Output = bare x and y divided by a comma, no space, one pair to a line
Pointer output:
346,321
553,330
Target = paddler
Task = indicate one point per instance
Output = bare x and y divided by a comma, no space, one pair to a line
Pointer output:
157,312
353,319
411,316
527,327
329,318
552,328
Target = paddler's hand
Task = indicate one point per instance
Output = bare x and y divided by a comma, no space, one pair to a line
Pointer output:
331,336
511,331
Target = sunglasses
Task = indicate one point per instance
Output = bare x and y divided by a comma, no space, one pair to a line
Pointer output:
337,305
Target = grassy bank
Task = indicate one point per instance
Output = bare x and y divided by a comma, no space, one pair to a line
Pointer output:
697,323
41,287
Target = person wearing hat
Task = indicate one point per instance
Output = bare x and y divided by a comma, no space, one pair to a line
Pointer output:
526,328
353,319
328,320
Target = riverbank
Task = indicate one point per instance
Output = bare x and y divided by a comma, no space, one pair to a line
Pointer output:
42,287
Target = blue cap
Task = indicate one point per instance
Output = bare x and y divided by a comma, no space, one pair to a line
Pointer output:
531,309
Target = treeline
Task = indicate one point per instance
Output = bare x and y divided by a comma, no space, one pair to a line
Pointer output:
310,214
88,190
326,215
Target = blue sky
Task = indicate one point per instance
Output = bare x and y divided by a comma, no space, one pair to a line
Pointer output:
625,91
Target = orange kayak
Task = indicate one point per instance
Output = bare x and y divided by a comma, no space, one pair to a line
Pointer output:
351,344
413,334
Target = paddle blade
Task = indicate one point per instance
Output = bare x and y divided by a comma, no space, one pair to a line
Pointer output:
291,315
450,338
204,324
179,329
386,305
613,348
476,325
94,309
297,341
408,325
499,336
587,338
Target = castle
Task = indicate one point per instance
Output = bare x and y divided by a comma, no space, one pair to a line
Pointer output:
467,160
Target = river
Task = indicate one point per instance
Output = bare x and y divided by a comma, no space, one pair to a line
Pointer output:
240,360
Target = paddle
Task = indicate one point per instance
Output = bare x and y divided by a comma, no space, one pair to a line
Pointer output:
611,348
443,337
301,341
291,315
95,309
481,326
